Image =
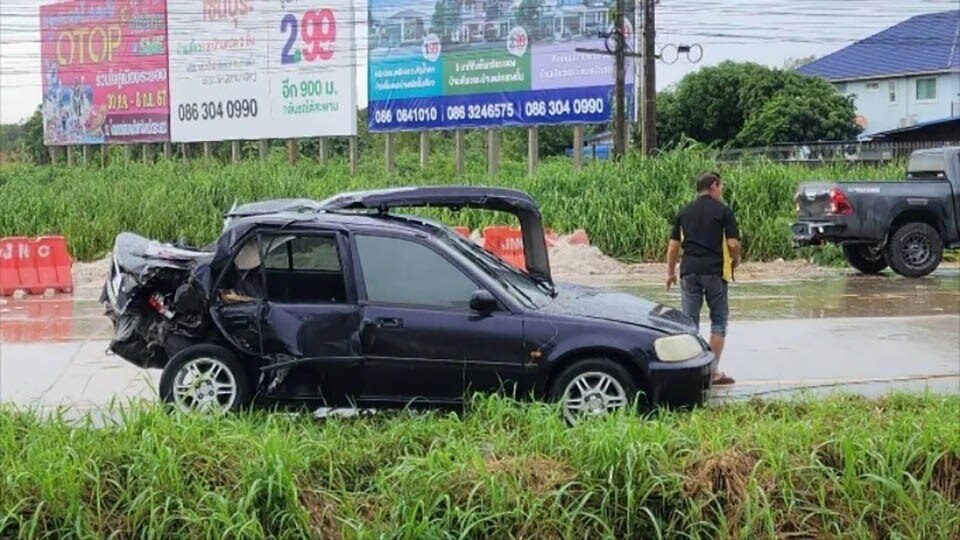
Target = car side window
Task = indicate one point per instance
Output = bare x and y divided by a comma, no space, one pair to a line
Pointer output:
303,269
398,271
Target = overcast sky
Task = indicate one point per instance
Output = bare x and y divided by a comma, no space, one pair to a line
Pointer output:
764,31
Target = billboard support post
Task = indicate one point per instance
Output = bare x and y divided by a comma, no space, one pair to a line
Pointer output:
388,151
424,148
354,155
459,151
293,150
70,155
146,153
533,150
86,155
167,150
207,149
578,146
264,149
322,151
493,151
235,151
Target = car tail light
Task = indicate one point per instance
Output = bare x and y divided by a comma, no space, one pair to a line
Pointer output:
156,302
839,203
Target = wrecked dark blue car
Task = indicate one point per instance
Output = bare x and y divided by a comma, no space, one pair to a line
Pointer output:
343,303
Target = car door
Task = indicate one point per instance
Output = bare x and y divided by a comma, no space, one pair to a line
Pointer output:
418,331
310,321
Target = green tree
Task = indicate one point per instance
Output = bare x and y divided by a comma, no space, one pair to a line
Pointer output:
718,104
32,138
817,112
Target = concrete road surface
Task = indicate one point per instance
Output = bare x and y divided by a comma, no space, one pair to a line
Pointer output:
867,335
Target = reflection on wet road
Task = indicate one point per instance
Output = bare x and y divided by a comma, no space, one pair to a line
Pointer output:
855,296
863,334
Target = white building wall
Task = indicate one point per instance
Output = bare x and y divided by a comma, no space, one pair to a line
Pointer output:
874,104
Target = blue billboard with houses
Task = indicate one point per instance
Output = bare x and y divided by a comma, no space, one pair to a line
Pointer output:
443,64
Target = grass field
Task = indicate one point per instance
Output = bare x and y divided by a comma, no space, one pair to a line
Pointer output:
834,467
626,209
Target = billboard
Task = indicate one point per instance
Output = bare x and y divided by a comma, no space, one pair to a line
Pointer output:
104,67
256,69
483,63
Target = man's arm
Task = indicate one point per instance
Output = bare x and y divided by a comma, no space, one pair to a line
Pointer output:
732,232
673,253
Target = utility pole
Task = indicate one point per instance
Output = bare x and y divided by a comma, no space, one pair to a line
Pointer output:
649,140
620,55
620,133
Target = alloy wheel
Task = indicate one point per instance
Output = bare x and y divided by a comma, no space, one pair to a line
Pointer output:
593,393
204,384
916,250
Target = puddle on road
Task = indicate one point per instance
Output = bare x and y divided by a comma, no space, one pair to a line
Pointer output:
56,319
855,296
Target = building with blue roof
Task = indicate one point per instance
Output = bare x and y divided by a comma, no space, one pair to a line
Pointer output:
903,76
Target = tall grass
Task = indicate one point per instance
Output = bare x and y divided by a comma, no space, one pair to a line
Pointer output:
626,208
817,468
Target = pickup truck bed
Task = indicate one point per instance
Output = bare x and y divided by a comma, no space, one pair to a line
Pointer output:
901,224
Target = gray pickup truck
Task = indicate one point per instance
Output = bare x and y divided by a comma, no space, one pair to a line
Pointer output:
904,225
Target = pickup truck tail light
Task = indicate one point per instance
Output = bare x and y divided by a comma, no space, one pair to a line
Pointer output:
839,203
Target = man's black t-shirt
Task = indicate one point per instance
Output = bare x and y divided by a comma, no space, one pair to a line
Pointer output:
703,228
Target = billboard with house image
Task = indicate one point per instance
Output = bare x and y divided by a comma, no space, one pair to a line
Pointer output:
444,64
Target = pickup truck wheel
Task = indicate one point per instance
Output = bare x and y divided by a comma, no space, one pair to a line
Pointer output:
915,250
865,260
205,378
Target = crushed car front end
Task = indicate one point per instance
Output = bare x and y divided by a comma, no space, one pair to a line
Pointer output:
149,298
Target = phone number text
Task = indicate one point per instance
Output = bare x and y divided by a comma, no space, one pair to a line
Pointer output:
210,110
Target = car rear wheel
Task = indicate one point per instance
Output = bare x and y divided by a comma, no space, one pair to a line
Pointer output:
915,250
593,387
865,259
206,378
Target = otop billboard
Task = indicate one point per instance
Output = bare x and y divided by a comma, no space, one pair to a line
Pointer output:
477,63
104,68
255,69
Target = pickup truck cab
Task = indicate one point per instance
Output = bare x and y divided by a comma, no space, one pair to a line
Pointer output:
904,225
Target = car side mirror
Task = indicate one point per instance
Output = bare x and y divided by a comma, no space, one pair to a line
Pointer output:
482,301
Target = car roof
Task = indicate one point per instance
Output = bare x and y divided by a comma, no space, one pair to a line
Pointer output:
341,220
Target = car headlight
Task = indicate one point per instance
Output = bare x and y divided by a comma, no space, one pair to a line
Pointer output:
677,348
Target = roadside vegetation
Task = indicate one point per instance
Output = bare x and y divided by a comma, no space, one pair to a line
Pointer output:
832,467
625,208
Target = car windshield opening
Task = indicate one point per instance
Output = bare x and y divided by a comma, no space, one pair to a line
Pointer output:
517,283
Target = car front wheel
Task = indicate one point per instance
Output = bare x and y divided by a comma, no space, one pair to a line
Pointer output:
206,378
593,387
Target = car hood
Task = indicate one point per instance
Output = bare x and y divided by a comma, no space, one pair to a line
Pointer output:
602,304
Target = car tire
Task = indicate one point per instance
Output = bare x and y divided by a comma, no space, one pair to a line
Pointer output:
915,250
580,386
859,257
224,383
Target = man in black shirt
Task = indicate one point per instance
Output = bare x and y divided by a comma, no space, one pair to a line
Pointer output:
707,231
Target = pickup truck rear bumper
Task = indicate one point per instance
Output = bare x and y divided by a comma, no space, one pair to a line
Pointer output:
809,233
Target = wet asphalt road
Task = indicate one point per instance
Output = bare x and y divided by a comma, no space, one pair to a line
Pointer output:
867,335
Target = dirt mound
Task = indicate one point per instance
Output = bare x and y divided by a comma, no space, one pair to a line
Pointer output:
584,260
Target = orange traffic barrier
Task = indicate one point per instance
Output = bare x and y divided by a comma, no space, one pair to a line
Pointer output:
9,275
463,231
506,243
34,265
